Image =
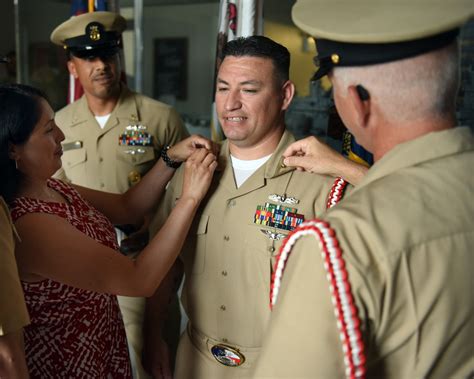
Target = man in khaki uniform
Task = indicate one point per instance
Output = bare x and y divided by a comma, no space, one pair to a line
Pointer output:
253,203
13,312
382,287
113,135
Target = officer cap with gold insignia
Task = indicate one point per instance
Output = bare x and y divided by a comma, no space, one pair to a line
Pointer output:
365,32
90,34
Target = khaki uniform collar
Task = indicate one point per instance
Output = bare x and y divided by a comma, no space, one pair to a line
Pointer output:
273,166
434,145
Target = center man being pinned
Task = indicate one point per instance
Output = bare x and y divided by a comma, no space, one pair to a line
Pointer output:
113,135
253,203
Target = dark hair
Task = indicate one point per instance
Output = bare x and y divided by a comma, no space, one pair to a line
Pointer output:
19,113
262,47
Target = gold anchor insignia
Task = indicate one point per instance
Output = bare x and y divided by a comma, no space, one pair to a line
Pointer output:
134,177
94,33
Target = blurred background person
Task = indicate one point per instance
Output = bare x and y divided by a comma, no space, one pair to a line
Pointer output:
13,314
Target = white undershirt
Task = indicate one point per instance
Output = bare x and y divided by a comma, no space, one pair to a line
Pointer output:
102,120
244,169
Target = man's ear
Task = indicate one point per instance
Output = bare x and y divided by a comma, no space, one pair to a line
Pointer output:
360,99
71,66
288,91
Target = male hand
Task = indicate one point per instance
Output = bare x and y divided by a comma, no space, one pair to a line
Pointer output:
183,149
312,155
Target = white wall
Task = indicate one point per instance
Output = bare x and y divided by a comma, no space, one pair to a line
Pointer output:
198,23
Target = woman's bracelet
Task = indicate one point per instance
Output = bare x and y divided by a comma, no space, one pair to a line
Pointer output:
168,161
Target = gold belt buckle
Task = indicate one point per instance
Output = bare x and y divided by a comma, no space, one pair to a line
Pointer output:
227,355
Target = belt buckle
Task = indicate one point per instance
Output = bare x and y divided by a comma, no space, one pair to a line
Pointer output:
227,355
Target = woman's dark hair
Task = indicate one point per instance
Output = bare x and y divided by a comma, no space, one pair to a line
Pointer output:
261,47
20,111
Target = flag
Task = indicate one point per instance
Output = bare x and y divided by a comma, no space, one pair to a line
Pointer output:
355,152
237,18
79,7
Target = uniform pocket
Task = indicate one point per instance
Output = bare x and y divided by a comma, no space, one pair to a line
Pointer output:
135,155
194,256
74,157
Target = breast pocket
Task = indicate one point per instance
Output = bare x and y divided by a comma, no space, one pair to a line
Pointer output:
194,252
262,245
136,156
74,164
135,161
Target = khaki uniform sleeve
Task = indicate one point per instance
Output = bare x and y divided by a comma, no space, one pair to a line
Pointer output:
175,128
167,202
13,312
302,338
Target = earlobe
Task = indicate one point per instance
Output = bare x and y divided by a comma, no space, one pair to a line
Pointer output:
72,68
361,102
12,152
288,91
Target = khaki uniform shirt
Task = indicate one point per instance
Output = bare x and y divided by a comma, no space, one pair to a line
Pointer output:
13,312
93,156
228,258
407,236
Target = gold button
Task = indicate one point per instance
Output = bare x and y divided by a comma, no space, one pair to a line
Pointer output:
101,159
225,340
335,58
224,272
226,238
271,249
223,307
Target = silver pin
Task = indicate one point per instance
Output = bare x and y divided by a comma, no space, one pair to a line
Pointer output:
283,199
273,235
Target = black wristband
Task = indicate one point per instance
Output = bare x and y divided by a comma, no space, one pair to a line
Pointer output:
168,161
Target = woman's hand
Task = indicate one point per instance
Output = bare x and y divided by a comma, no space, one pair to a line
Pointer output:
183,149
198,171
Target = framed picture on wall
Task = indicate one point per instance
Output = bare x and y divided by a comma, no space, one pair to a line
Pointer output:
170,68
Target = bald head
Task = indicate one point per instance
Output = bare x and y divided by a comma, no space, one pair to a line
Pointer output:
410,89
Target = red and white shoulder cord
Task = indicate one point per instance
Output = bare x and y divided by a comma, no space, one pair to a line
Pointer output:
345,309
336,193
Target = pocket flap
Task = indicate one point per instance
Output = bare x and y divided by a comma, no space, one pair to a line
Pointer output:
135,154
202,226
74,157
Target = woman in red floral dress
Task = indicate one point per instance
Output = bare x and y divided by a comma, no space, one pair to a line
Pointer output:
67,256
